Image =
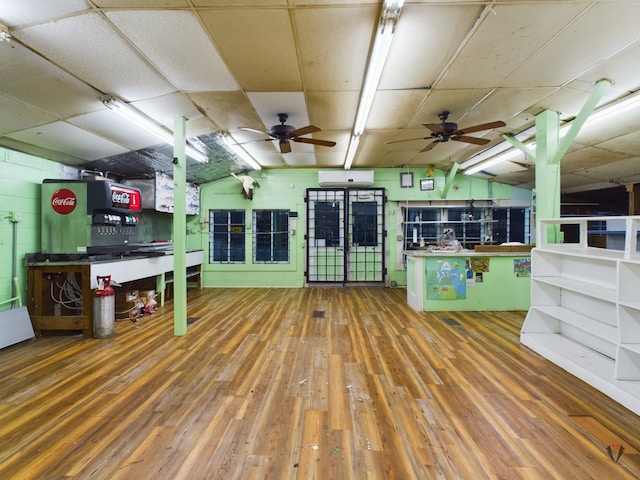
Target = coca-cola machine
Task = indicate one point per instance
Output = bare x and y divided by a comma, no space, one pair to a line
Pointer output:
89,217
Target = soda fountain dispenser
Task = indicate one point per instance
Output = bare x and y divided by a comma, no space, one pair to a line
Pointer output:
89,217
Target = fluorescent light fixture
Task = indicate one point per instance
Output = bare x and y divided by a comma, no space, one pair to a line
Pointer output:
493,161
504,151
233,147
377,59
5,36
627,103
140,119
351,151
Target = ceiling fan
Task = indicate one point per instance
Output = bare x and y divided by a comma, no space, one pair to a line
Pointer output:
286,133
445,131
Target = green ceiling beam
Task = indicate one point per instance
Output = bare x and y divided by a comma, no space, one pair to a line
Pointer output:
449,180
583,115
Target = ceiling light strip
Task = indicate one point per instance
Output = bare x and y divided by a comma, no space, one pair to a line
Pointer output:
379,53
138,118
236,149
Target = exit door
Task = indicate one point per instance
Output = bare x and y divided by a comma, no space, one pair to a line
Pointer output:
346,233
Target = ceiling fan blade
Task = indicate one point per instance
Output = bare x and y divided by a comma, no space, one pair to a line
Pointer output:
430,146
285,147
315,141
253,130
258,140
479,128
435,127
474,140
303,131
407,140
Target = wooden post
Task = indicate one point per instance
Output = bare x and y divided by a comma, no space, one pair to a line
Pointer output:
634,198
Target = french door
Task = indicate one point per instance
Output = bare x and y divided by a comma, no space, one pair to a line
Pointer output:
345,240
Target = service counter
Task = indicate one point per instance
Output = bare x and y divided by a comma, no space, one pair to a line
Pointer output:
60,294
466,280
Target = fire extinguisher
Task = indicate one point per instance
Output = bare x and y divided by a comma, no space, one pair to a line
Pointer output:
104,308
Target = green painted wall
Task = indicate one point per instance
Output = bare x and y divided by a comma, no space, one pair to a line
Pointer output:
21,176
285,189
20,179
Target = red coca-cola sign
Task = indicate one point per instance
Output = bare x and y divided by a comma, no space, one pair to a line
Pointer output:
63,201
125,198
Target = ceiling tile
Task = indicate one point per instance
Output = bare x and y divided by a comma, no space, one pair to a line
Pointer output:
393,108
16,116
629,143
30,79
269,104
507,36
64,137
258,47
229,110
164,36
562,57
140,3
457,102
67,42
334,45
425,39
167,108
108,124
14,13
332,110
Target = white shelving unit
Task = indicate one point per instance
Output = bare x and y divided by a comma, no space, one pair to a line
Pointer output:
585,309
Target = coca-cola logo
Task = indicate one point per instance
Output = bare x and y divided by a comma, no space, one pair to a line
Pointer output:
63,201
129,199
121,198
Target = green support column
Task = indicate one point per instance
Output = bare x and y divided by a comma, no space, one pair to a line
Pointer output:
179,229
548,171
549,151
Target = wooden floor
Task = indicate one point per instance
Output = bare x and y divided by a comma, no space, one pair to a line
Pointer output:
320,383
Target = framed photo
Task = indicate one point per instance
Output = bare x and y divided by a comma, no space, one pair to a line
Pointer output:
426,184
406,180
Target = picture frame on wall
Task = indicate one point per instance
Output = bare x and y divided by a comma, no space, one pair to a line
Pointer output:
427,184
406,180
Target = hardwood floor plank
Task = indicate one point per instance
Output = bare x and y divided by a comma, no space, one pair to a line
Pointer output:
304,383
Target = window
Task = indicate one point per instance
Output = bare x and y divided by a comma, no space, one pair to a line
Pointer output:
226,236
327,224
271,236
421,224
365,224
471,225
511,225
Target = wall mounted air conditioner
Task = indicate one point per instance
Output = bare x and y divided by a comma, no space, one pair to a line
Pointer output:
345,178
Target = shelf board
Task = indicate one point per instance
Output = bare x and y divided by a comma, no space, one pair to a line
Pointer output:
632,347
630,304
589,325
588,365
590,289
575,250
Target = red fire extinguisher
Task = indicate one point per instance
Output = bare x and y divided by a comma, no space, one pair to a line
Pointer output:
104,308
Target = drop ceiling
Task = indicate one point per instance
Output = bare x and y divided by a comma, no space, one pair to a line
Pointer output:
226,65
